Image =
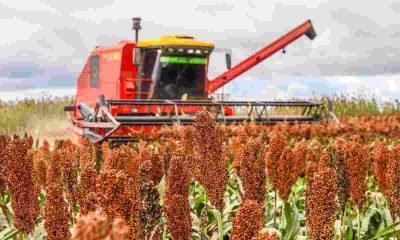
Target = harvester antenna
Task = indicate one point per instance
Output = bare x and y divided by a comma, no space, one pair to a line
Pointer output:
136,26
283,50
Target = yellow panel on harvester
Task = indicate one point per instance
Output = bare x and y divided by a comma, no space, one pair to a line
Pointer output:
175,40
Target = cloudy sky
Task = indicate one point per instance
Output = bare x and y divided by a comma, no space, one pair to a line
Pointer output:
46,42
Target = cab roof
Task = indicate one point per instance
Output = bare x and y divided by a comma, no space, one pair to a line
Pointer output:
175,40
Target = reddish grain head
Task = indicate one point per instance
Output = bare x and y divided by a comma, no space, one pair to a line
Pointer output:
357,157
287,174
266,236
381,160
393,182
94,226
177,216
277,144
56,213
321,204
20,182
252,170
212,164
248,221
87,191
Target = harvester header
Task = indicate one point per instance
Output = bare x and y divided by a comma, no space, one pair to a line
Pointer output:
146,84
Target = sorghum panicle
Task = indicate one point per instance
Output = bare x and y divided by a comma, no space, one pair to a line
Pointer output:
380,166
150,212
177,216
118,187
153,164
69,163
300,157
178,177
114,194
119,231
252,170
287,174
56,214
41,159
235,147
20,182
165,152
393,182
4,141
357,157
342,178
321,204
87,191
248,221
266,236
176,199
151,173
212,163
122,158
277,144
94,226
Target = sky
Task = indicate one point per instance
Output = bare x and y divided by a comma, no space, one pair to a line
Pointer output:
356,51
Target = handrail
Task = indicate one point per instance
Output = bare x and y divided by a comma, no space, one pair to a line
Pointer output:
135,81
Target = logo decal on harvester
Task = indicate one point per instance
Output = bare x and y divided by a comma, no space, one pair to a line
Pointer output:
112,56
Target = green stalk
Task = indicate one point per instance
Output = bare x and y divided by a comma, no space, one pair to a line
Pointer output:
343,231
274,224
164,235
6,214
220,226
206,213
22,235
283,219
359,224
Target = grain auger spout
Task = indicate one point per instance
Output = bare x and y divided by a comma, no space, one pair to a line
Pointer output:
304,29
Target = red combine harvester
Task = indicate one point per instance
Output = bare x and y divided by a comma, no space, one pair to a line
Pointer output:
144,85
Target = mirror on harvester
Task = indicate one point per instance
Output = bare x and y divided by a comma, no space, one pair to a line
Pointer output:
136,56
228,60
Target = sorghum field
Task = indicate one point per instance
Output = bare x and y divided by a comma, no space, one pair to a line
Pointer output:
209,181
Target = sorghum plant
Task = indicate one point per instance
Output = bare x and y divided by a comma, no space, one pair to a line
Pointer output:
176,200
393,182
150,212
287,174
266,236
87,191
94,226
252,170
4,141
41,159
277,144
321,203
55,212
212,164
380,167
357,157
117,198
248,221
69,164
20,182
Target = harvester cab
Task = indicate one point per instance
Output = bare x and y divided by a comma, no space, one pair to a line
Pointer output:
176,65
144,85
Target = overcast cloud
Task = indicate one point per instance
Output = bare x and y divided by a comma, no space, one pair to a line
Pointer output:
49,40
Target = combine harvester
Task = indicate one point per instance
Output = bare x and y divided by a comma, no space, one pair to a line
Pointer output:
144,85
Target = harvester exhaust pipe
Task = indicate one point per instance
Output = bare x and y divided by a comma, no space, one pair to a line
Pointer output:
86,112
136,26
